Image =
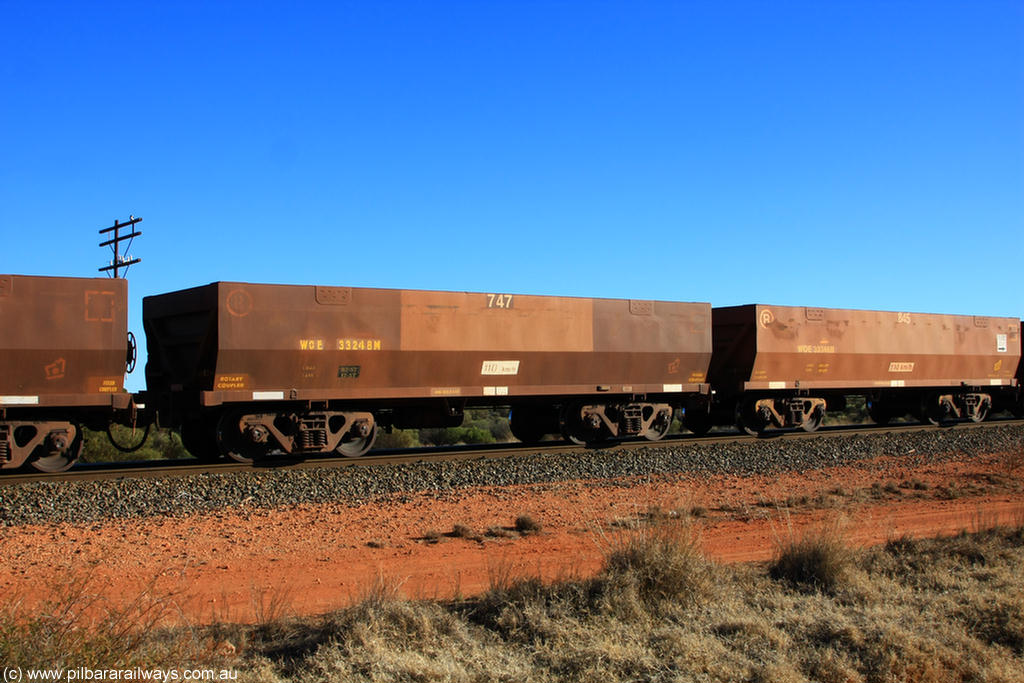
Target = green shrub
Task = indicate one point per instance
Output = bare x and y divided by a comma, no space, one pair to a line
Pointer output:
161,444
398,438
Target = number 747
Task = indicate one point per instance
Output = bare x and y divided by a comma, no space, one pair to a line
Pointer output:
499,301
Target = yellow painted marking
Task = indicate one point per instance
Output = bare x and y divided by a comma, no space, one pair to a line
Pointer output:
229,382
108,385
349,344
816,348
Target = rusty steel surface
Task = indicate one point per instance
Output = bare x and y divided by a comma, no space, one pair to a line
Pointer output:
62,341
760,347
245,342
1020,367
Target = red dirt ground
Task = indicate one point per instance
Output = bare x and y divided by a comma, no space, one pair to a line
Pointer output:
245,565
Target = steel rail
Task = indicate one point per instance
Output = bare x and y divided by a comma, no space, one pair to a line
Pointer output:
188,467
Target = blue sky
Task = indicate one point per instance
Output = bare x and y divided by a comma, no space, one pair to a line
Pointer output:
843,154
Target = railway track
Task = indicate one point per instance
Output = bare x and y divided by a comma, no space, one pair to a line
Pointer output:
188,467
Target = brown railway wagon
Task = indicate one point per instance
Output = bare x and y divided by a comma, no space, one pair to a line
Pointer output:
1017,404
354,358
781,365
62,363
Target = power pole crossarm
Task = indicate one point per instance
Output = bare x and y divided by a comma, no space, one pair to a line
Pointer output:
114,243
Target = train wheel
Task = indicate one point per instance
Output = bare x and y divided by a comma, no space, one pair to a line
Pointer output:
935,413
697,421
525,425
980,413
751,421
752,430
878,413
62,448
200,439
659,428
813,420
574,438
242,455
353,446
575,430
231,443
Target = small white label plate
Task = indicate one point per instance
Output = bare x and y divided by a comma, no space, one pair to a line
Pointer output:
500,367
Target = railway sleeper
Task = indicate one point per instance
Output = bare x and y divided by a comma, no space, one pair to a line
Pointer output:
249,436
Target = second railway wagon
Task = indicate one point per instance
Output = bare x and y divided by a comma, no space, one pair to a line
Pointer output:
782,366
257,368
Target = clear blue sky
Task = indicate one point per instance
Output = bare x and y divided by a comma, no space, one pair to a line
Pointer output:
842,154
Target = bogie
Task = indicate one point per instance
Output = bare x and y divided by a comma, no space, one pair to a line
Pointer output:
595,424
756,416
247,437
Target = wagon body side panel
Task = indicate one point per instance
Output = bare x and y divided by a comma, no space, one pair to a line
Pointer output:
62,340
306,342
811,348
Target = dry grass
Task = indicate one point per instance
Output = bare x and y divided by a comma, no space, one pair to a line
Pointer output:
466,532
914,610
1012,462
525,524
77,627
918,611
663,562
817,559
462,531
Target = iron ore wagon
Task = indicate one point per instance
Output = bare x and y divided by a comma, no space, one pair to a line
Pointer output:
64,344
783,366
249,369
